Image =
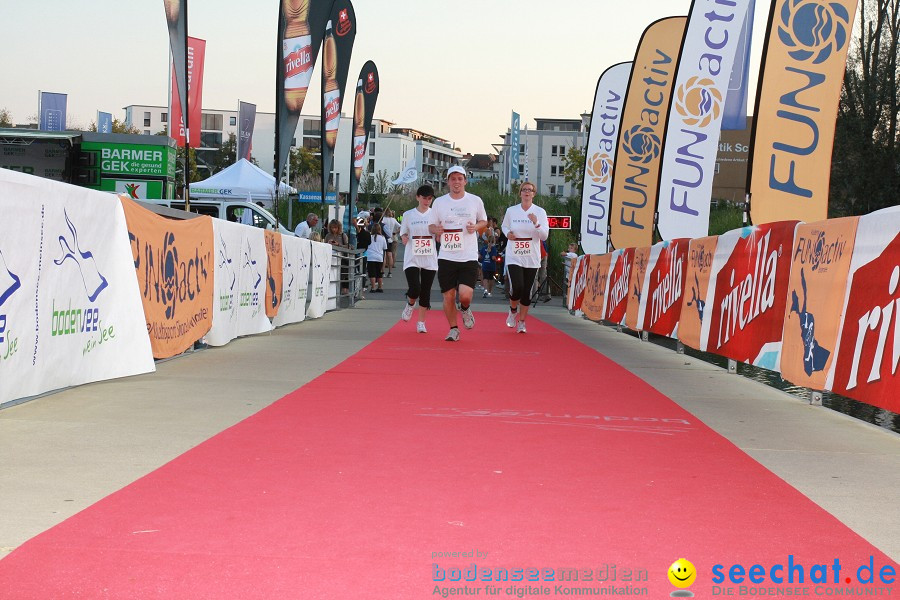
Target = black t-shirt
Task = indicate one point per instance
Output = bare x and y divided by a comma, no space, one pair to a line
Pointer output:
363,239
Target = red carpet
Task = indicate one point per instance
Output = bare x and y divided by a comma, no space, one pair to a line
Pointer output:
534,450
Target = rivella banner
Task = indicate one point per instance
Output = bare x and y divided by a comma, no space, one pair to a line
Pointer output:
296,256
747,294
696,285
367,88
800,79
340,33
820,265
617,287
609,100
635,178
70,311
596,278
664,287
301,27
240,282
174,261
868,349
695,118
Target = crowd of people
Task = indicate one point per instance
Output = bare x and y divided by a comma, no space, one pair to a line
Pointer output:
451,239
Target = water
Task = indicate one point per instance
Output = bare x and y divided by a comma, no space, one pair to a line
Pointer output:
858,410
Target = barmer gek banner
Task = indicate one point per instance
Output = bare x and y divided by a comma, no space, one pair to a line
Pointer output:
800,80
609,100
635,178
337,49
695,117
301,28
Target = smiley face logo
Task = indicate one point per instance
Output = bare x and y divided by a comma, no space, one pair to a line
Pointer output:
682,573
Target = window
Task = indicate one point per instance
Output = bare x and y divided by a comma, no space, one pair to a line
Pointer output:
211,122
553,170
146,119
562,150
372,165
561,190
312,126
232,121
146,132
372,148
521,169
552,189
553,152
164,117
718,166
313,143
210,139
522,148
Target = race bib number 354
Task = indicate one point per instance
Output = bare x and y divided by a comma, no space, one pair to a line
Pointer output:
451,241
423,246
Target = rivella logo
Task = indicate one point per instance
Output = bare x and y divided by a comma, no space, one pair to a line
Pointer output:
345,25
815,29
370,83
599,167
698,102
641,144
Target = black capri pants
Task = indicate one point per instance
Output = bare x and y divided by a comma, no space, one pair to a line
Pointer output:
419,281
521,280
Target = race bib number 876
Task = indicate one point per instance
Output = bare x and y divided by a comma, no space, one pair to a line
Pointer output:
451,241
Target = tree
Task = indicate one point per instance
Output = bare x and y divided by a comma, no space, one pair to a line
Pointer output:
120,127
226,155
866,159
5,118
573,168
305,165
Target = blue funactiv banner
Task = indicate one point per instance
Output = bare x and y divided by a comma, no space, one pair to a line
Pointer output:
734,112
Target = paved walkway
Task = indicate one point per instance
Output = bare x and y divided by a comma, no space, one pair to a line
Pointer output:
63,452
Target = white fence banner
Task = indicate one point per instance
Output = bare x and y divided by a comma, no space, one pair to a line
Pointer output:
240,282
70,309
319,280
295,257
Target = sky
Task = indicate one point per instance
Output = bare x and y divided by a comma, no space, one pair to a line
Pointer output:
451,69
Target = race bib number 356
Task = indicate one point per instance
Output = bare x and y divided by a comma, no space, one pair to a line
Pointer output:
521,247
451,241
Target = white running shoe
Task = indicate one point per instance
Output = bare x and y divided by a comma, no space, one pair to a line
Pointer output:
406,315
468,318
511,319
452,336
485,294
420,327
520,328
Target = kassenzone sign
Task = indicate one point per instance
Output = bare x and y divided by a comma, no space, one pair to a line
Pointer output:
134,159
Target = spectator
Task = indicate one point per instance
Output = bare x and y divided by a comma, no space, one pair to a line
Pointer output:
569,257
305,227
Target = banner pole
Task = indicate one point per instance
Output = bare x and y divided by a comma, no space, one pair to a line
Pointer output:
186,111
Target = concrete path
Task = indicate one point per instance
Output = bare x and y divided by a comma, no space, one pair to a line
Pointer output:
63,452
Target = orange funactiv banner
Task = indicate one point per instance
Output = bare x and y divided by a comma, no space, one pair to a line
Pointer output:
273,273
635,183
174,265
800,81
696,283
812,318
597,275
636,298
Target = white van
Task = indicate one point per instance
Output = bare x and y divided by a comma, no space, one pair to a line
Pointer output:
238,211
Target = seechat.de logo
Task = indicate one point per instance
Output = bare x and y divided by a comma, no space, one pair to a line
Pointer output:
813,29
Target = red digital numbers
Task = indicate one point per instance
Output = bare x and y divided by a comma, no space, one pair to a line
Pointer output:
560,222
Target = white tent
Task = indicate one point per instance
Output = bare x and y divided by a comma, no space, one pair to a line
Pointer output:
241,181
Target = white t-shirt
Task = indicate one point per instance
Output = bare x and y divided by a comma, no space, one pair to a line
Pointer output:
456,243
416,253
375,251
302,230
570,260
389,225
524,252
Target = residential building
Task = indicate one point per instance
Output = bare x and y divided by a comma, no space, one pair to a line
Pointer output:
480,166
391,148
543,149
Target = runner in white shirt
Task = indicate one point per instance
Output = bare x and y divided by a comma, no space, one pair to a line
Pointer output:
419,256
525,226
375,259
390,225
457,218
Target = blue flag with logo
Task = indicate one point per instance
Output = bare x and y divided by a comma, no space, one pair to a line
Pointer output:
514,147
53,111
104,122
734,115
